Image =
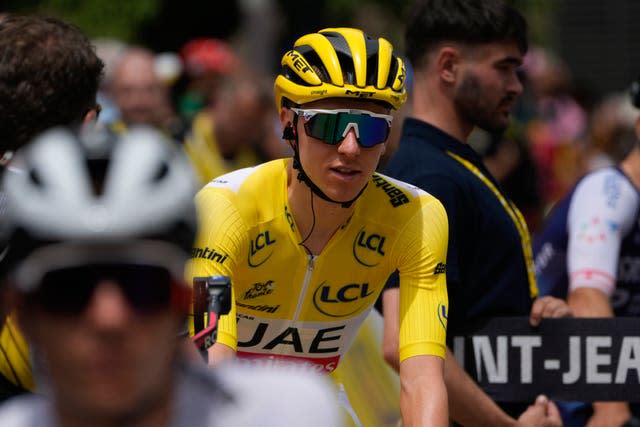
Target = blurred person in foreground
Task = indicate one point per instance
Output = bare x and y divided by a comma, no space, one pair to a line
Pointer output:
49,76
588,252
100,229
465,54
309,241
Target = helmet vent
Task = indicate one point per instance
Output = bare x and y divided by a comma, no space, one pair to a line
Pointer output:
34,177
161,172
97,169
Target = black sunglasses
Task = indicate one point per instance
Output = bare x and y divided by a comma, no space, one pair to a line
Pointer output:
68,290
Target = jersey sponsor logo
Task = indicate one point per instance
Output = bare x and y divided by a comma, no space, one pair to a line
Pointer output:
596,230
396,195
258,254
441,268
318,365
545,254
368,248
291,340
330,300
261,307
612,190
259,289
210,254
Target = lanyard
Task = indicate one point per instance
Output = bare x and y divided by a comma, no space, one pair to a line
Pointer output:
516,217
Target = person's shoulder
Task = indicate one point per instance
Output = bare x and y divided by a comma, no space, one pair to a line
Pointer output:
266,396
247,179
608,182
24,411
397,191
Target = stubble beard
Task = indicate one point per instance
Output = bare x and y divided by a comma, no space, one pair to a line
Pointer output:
472,104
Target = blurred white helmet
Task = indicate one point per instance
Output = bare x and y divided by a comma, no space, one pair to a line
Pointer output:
94,195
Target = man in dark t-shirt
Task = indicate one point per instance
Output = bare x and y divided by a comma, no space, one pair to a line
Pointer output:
465,56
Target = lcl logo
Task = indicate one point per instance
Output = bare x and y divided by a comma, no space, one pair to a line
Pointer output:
257,255
331,301
368,248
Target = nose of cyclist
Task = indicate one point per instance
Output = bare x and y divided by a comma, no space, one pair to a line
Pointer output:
349,145
108,308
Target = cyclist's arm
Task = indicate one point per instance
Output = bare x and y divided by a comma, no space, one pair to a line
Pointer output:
391,327
220,239
589,302
421,255
423,395
592,302
600,200
602,211
219,353
468,404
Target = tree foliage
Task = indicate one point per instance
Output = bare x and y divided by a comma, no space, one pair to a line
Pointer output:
113,18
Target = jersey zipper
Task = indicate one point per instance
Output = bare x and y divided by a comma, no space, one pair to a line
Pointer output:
305,284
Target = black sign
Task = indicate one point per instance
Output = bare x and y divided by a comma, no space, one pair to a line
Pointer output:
566,359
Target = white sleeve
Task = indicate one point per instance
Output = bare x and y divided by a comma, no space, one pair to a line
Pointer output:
602,210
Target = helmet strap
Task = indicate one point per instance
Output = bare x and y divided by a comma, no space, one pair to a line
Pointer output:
290,135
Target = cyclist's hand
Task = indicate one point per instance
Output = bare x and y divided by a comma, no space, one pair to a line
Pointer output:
548,306
609,414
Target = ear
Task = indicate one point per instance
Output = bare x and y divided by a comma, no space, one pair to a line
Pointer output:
447,63
638,128
286,117
288,131
91,116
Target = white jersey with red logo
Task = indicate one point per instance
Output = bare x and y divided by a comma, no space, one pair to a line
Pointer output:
592,239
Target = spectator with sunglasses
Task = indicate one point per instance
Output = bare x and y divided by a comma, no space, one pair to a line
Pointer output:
465,55
309,241
49,76
100,230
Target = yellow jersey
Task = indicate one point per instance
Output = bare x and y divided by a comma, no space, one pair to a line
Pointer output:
293,306
201,147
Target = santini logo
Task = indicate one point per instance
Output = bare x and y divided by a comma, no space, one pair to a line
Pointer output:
440,268
210,254
396,196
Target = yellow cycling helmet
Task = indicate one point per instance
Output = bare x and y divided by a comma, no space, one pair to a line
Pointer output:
341,63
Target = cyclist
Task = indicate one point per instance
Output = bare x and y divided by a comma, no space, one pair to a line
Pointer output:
587,253
309,241
100,230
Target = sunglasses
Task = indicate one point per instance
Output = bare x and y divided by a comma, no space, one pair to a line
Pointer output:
69,290
332,126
